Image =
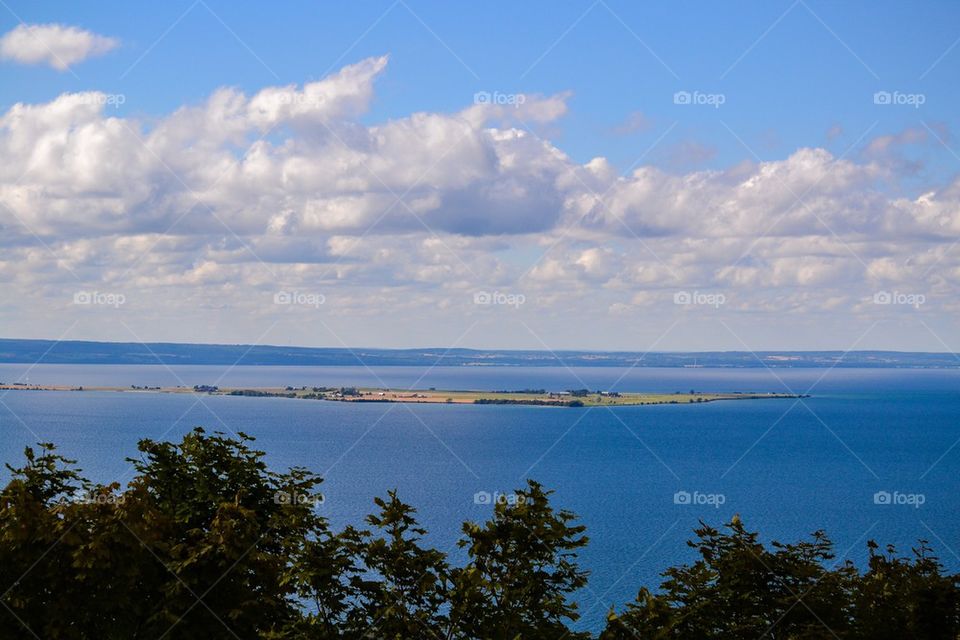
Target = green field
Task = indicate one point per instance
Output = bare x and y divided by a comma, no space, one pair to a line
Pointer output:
591,399
582,398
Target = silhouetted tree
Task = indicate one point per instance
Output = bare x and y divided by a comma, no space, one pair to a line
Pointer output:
405,587
207,542
522,571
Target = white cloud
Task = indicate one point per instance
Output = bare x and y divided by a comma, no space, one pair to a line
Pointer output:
217,204
56,45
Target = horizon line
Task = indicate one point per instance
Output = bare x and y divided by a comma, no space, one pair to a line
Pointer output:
477,349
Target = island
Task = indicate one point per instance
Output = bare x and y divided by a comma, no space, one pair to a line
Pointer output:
529,397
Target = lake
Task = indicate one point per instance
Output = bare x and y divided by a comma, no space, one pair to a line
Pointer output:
787,467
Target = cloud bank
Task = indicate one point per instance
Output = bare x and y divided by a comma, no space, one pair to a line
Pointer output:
218,205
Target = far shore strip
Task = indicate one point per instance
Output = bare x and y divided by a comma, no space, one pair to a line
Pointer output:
535,397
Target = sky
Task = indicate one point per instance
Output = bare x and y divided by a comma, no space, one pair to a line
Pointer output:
579,175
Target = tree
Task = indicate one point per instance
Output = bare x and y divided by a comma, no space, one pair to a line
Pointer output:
207,542
203,543
740,589
649,617
900,598
521,572
32,522
324,578
229,532
405,586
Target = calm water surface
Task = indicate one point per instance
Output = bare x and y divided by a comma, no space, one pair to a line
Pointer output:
787,468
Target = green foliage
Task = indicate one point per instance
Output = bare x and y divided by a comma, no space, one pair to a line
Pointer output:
207,542
906,597
198,545
741,589
522,569
405,585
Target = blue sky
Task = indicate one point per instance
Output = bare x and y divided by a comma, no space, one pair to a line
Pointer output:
789,75
790,71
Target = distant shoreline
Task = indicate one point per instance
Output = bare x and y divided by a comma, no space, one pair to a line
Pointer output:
30,352
528,397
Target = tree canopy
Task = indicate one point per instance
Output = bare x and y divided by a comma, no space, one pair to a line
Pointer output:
207,542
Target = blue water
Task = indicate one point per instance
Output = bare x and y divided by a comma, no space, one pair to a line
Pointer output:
787,468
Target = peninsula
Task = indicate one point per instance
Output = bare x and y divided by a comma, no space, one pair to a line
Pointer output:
533,397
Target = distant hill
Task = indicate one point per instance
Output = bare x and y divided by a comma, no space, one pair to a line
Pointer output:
82,352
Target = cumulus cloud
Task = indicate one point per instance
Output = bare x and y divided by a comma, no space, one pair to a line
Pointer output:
56,45
220,202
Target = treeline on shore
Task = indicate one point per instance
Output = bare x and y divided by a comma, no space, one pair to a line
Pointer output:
207,542
529,401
